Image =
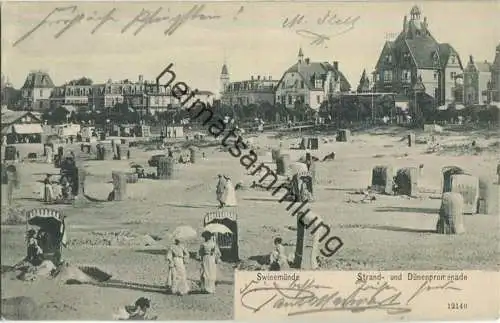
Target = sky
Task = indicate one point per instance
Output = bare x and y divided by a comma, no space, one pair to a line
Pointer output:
249,37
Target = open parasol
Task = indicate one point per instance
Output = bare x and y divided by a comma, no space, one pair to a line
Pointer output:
184,232
217,228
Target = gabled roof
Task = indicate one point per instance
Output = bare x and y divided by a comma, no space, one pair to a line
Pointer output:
314,70
423,51
444,51
387,49
10,116
38,80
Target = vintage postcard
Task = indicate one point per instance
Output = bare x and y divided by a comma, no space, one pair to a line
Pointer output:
228,160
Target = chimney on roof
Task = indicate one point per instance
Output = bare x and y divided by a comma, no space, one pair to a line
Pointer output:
141,78
258,77
405,24
471,59
336,65
307,61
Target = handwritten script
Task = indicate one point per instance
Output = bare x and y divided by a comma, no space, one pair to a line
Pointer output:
300,298
330,21
62,19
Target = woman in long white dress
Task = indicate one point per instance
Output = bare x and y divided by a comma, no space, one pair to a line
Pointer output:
229,196
177,278
209,254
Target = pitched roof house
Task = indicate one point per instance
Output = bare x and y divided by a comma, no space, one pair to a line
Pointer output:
310,83
416,53
37,90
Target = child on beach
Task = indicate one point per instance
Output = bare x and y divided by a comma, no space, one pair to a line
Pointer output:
279,260
136,312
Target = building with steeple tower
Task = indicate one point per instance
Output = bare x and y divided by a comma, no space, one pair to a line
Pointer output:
256,90
495,76
224,78
477,79
416,53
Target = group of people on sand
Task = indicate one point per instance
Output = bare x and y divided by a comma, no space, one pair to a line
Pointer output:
226,194
177,257
57,190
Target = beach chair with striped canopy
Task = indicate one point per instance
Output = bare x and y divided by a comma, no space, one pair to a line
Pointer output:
227,242
52,223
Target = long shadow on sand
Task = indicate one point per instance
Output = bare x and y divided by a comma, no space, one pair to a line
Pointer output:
407,209
261,199
93,199
341,189
189,206
399,229
132,286
163,252
261,259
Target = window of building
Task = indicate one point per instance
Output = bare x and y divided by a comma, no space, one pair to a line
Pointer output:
387,76
157,100
452,75
318,99
406,75
301,84
453,59
435,75
283,99
318,84
388,58
290,99
41,93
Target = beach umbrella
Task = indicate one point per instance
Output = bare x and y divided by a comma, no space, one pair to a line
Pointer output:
217,228
184,232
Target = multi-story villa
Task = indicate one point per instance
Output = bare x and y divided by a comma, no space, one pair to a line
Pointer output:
310,83
416,55
256,90
36,91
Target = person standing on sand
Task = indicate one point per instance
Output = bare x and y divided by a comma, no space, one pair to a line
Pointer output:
34,252
209,254
229,195
219,191
48,193
177,256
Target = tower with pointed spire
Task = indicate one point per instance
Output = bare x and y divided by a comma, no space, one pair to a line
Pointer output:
300,56
224,78
495,76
